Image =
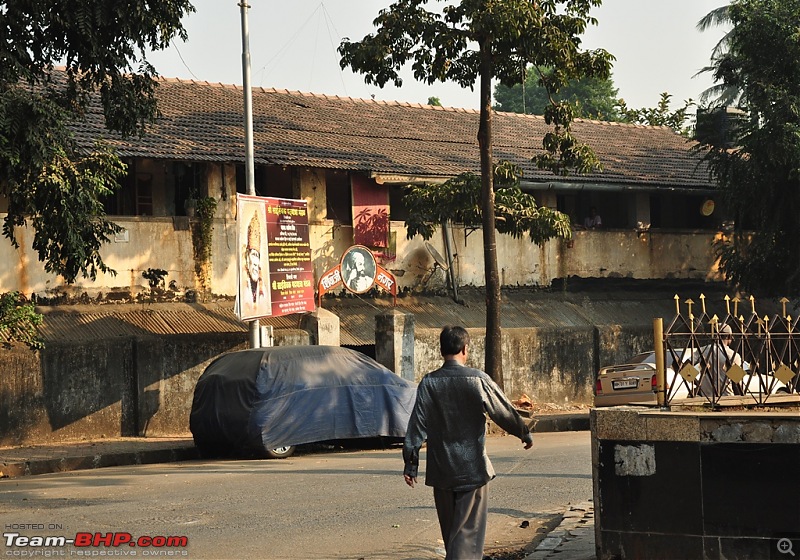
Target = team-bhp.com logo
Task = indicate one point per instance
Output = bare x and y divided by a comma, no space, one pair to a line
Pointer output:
152,545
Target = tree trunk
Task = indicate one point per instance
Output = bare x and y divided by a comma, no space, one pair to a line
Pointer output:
494,357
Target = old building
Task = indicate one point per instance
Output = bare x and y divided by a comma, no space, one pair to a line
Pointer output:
350,158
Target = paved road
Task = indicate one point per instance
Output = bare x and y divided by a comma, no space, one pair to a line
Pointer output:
318,505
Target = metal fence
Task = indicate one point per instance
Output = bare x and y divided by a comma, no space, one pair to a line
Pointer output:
740,353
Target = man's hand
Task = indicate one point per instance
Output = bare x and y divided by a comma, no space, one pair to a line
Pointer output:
410,480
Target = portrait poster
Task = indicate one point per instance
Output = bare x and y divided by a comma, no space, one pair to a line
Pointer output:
276,279
253,297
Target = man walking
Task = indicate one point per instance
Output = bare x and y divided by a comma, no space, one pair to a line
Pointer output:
449,414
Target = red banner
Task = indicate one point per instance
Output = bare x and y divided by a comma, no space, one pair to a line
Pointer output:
370,212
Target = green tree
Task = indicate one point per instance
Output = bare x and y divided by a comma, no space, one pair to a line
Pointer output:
593,97
718,95
458,201
45,178
759,176
434,101
475,41
660,115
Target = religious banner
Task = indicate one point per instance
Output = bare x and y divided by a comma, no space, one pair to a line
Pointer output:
275,272
290,270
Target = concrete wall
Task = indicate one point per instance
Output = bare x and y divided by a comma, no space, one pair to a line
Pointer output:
550,365
124,386
143,385
695,485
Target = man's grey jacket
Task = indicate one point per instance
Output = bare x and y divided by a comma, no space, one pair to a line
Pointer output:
449,414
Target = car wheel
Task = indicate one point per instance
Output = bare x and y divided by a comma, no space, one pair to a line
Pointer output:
280,452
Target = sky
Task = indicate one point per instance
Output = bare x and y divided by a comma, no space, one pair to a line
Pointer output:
293,46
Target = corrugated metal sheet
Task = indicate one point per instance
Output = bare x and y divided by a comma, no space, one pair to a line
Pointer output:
82,326
82,323
522,308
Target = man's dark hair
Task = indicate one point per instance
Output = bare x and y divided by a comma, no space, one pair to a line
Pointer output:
452,340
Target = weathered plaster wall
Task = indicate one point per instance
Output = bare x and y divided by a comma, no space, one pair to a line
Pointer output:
166,243
143,385
125,386
555,364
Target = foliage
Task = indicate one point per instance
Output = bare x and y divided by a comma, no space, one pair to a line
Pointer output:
449,45
19,321
434,101
471,42
458,200
155,277
47,180
759,177
593,97
206,209
659,115
202,237
718,95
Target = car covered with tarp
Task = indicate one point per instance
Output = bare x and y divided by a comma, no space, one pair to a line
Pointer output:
269,400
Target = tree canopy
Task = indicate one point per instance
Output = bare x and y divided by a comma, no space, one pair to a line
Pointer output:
593,97
475,41
44,177
458,201
718,95
660,115
759,175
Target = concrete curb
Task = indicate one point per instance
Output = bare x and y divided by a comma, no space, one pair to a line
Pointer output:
573,539
64,461
567,422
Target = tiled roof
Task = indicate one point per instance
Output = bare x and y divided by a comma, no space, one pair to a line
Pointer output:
201,121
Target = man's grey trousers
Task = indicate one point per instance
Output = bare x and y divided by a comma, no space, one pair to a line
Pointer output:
462,519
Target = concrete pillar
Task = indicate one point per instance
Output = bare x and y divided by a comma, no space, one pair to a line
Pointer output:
310,184
394,342
322,327
641,218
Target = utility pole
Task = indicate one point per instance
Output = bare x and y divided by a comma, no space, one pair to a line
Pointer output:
254,327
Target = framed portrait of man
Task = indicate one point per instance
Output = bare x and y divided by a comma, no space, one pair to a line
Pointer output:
254,293
358,269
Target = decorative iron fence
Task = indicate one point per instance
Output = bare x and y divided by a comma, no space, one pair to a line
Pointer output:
708,356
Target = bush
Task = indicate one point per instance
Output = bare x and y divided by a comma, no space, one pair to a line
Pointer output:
19,321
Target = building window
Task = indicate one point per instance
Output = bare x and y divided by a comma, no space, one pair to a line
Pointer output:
398,211
189,184
270,180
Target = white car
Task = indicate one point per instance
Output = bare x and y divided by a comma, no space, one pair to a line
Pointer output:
634,382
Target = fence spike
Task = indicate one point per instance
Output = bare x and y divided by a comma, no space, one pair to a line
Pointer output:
703,303
727,304
753,305
784,301
690,303
677,305
736,301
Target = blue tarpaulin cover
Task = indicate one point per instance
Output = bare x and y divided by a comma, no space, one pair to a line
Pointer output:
291,395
